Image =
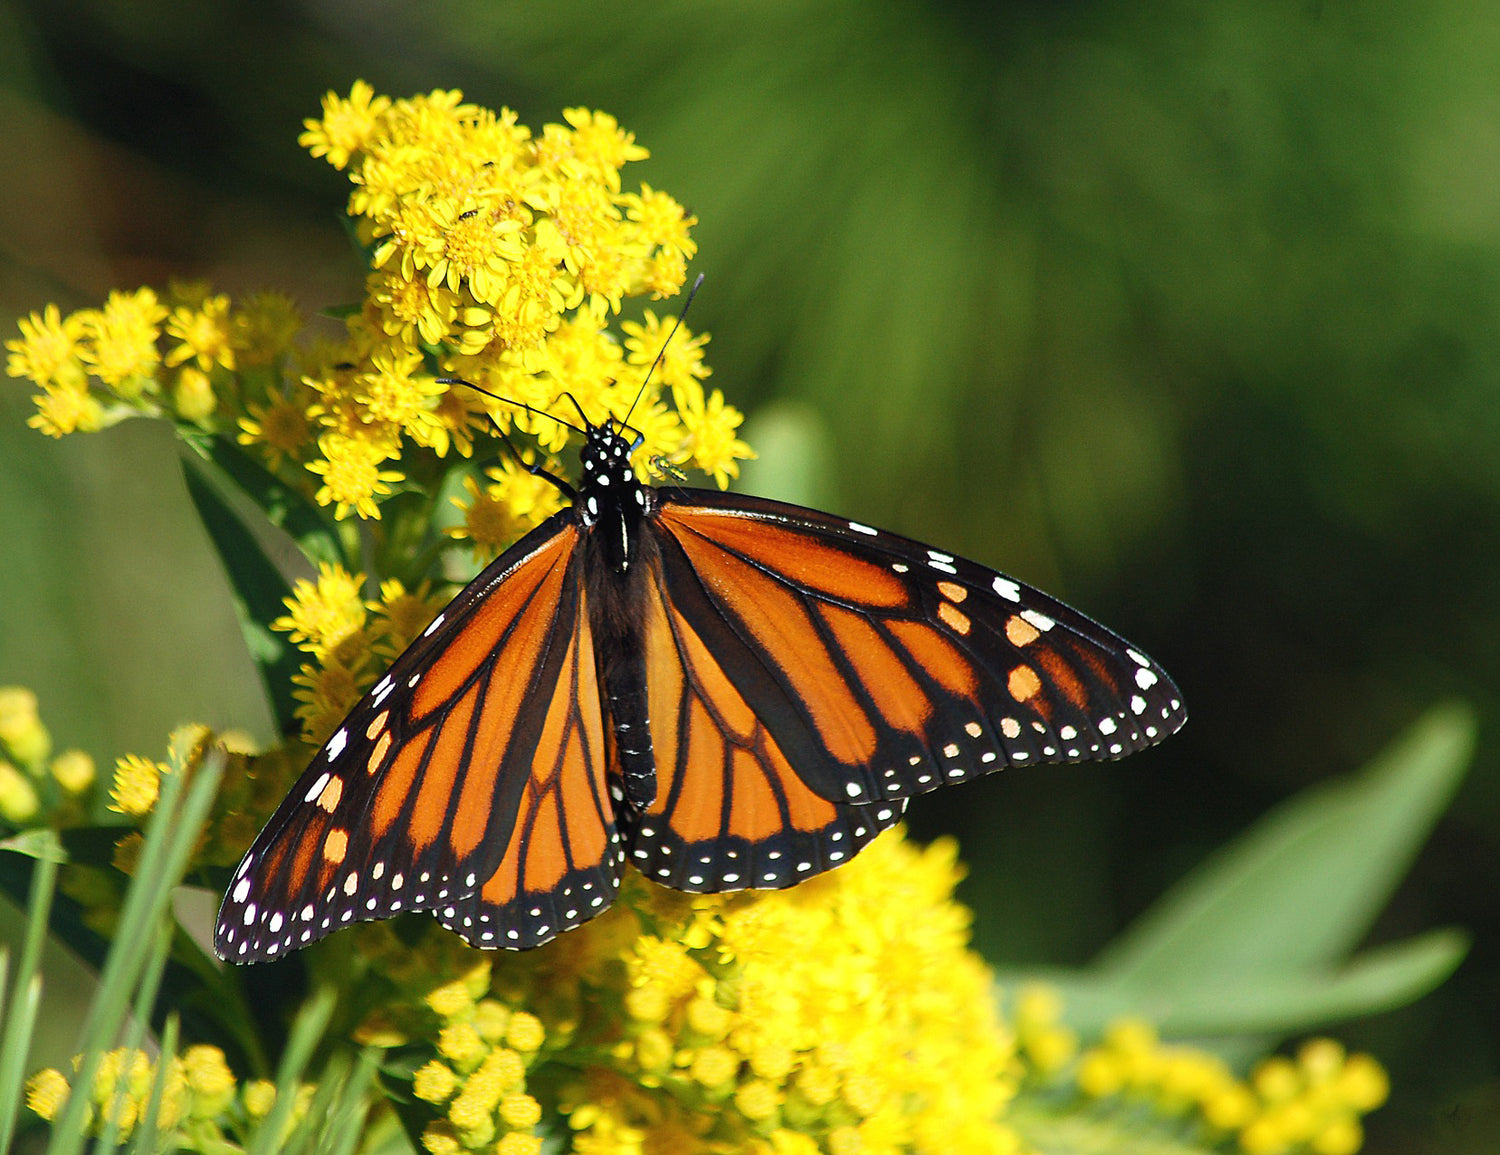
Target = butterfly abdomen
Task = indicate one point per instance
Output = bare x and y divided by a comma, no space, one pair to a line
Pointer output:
614,509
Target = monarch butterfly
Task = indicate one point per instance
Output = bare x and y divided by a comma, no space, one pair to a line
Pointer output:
727,691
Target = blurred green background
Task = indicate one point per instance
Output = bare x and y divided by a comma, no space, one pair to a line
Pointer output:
1187,313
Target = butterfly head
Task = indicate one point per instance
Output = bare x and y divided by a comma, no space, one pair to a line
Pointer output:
609,490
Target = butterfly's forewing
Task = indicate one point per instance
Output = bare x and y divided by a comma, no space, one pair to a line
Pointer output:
470,780
880,668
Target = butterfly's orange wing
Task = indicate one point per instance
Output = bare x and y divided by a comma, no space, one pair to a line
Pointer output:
807,674
469,782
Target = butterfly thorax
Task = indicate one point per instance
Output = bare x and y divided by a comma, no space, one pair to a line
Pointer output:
613,508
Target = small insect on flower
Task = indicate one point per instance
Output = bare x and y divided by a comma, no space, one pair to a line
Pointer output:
726,691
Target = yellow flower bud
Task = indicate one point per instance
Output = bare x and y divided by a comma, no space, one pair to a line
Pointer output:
519,1112
74,771
525,1032
434,1082
19,802
21,728
260,1097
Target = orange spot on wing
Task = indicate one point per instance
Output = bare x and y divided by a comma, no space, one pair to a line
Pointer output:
1020,632
1063,676
955,619
336,845
377,723
1023,683
377,755
954,592
331,794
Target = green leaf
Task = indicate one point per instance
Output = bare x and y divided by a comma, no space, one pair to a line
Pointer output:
42,843
1302,887
1274,1004
282,506
1063,1127
259,587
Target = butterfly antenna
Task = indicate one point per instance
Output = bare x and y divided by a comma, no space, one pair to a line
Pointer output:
530,467
693,292
517,404
581,414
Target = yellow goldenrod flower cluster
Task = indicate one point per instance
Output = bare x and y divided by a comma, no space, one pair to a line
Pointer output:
843,1015
478,1078
140,354
351,640
201,1106
1310,1105
497,255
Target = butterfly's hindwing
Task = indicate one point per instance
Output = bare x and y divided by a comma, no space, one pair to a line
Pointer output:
730,812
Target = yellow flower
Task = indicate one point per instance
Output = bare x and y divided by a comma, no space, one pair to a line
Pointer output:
193,395
524,1032
393,390
663,222
498,514
405,614
410,308
325,694
599,145
265,327
520,1111
49,350
21,729
346,124
352,477
127,855
434,1082
679,362
461,1043
66,409
322,613
137,782
121,350
280,426
451,999
260,1097
711,427
46,1092
204,333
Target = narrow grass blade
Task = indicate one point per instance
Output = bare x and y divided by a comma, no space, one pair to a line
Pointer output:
179,815
135,1034
25,998
306,1034
143,1142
